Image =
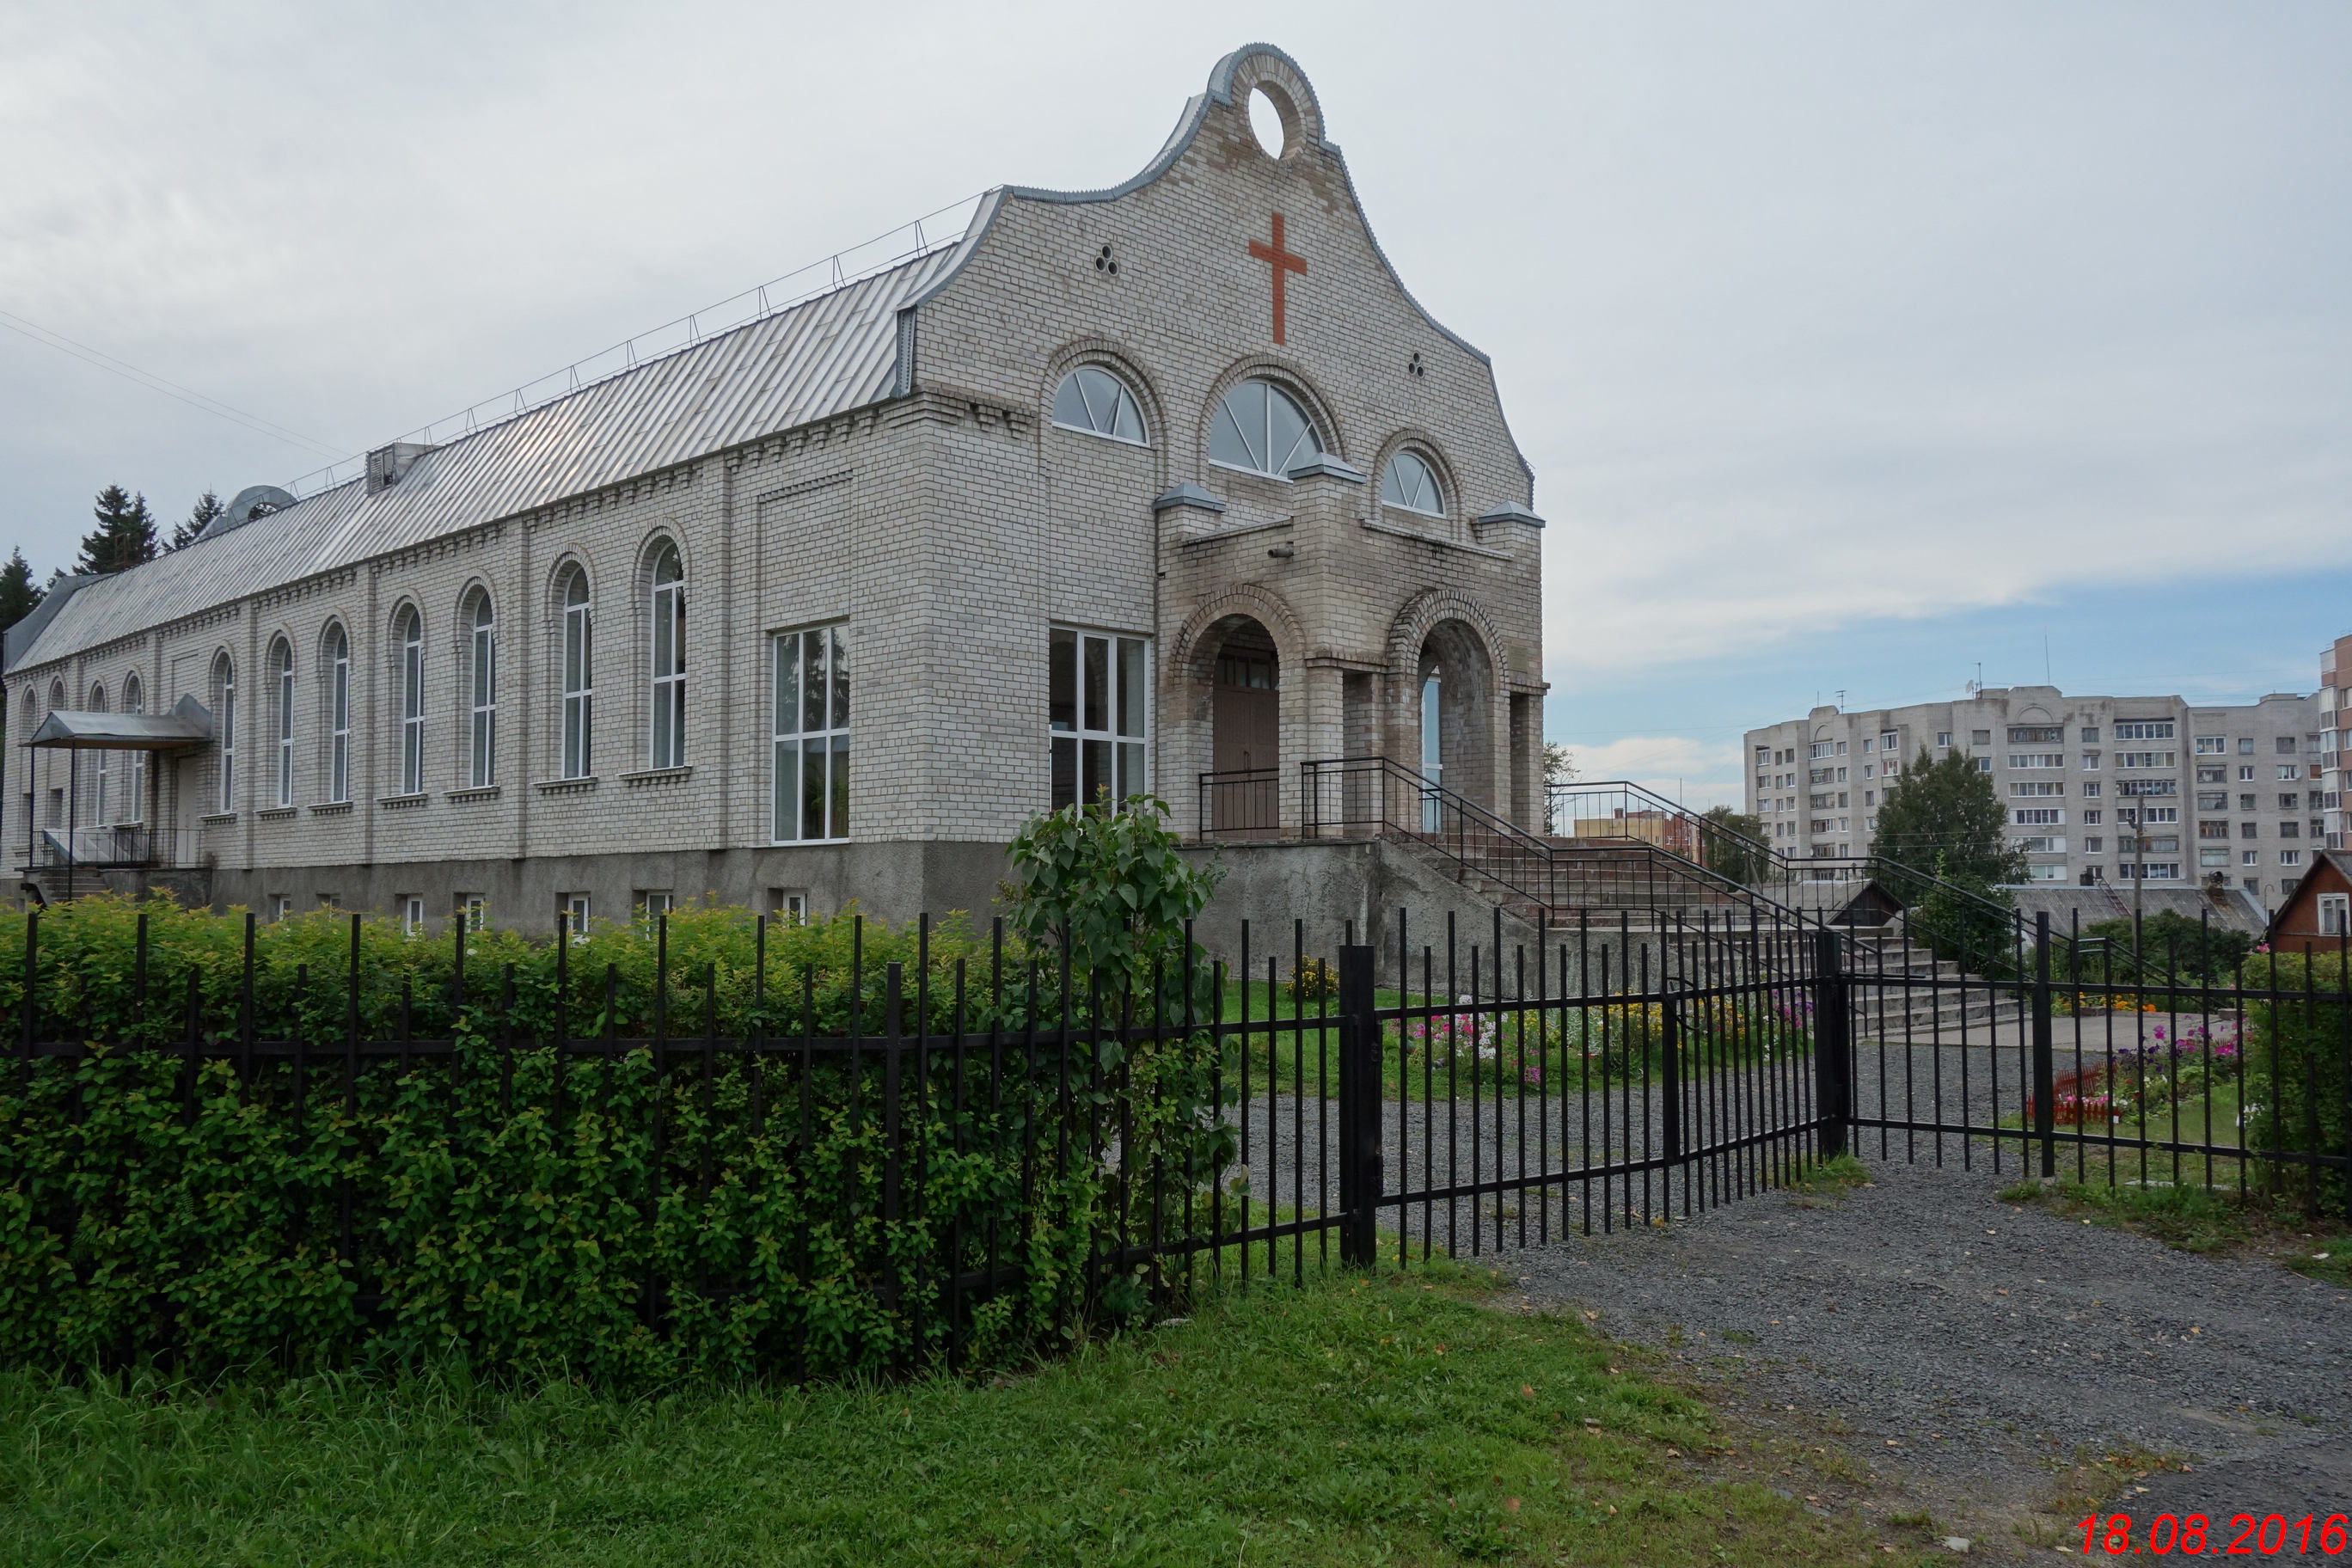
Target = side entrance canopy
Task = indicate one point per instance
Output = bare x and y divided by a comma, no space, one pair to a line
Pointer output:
188,723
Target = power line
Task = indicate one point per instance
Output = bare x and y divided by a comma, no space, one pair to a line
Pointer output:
153,383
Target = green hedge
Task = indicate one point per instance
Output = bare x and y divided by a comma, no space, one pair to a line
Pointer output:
627,1221
2298,1072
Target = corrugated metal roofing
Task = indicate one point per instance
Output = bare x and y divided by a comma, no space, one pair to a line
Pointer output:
832,354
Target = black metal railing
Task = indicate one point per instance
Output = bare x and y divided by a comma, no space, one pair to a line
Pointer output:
100,848
1241,802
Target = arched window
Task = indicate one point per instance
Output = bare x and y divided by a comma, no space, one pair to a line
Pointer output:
579,678
1098,403
224,706
667,608
1409,482
1261,429
100,782
135,700
482,693
408,634
338,661
281,685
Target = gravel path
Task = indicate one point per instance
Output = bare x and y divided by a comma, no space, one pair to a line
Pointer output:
1967,1344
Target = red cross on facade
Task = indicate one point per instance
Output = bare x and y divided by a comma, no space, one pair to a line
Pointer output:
1282,262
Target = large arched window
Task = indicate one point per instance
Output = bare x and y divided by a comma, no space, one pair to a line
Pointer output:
1409,482
100,782
1261,429
224,706
1098,403
667,608
281,726
408,636
337,659
481,691
135,700
579,678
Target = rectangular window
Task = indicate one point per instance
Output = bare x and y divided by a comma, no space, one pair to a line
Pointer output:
2147,759
2211,745
653,903
2160,814
483,734
2336,914
1821,749
2095,845
574,907
578,683
412,710
2290,857
2149,786
285,730
2034,734
2249,830
2091,790
228,746
1841,748
2245,745
1981,737
2245,774
2044,844
2212,800
339,719
2091,818
1889,742
2286,745
2290,771
2038,816
788,906
1984,765
1943,737
811,689
2037,759
2090,762
2212,830
2249,857
1097,716
2290,802
471,911
2290,830
2090,734
2212,857
2045,873
412,914
2144,730
2155,870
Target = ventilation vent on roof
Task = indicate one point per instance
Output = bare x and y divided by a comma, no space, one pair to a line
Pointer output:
387,466
253,500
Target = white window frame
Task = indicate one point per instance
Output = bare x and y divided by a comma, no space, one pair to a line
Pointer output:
225,671
412,914
1116,754
576,738
472,910
575,908
482,693
666,659
412,703
2336,914
1264,435
1123,402
98,705
135,700
282,656
810,709
339,717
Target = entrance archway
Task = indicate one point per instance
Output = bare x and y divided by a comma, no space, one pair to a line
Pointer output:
1454,718
1246,727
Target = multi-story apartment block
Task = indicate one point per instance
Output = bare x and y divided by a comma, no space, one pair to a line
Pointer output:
2335,669
2227,792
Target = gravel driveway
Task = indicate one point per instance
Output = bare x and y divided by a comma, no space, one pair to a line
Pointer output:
1965,1345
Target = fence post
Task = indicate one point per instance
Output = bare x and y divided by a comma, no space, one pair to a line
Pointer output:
2045,1108
1359,1109
1833,1046
1670,1082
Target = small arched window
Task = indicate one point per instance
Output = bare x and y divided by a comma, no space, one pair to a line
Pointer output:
281,685
135,700
482,693
224,706
338,660
1409,482
667,610
1261,429
579,676
408,635
1098,403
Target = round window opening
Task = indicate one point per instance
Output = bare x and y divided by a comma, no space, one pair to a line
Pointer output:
1266,121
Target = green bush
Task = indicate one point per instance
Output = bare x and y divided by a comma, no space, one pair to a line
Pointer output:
2297,1054
716,1213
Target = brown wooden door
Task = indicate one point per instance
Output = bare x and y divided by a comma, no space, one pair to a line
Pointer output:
1246,716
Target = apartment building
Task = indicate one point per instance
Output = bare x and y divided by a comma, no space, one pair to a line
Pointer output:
2227,792
2335,670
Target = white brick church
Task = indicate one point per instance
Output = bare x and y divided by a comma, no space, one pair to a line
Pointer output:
1125,489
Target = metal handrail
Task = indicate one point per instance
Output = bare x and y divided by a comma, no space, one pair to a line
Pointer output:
1784,868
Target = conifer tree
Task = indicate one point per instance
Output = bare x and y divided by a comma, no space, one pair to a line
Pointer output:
19,595
125,534
209,507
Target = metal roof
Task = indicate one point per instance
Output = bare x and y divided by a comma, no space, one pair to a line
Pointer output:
188,723
822,357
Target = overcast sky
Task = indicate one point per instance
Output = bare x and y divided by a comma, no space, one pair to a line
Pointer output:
1852,345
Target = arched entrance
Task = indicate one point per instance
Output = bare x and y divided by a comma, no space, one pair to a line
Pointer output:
1452,706
1245,724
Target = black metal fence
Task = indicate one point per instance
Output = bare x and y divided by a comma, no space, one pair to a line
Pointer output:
919,1166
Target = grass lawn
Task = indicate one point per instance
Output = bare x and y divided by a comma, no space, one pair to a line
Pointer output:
2196,1218
1353,1422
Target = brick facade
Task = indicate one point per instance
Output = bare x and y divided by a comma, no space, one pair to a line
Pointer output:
949,524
